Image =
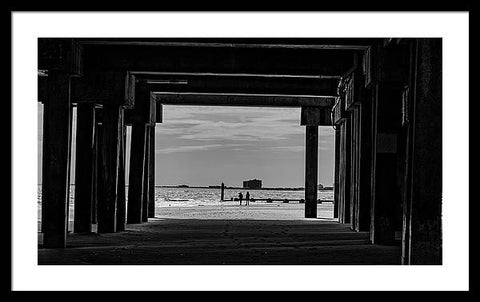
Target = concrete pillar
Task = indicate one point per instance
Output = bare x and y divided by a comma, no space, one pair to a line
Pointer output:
337,175
353,167
311,171
365,165
109,163
121,202
312,117
84,174
96,165
137,163
146,175
56,160
425,160
346,151
151,174
386,202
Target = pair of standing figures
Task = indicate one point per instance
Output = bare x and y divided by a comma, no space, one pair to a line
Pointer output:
247,198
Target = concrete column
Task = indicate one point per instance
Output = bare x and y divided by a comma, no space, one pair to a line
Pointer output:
146,175
337,175
365,165
353,167
425,197
341,173
386,198
121,203
311,171
312,117
96,164
56,160
137,163
109,163
84,174
346,151
151,174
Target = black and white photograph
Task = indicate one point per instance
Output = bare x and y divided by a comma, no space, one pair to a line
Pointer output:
234,150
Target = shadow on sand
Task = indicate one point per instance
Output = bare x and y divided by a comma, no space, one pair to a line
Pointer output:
168,241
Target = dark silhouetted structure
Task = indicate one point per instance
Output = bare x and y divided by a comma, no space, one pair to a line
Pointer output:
252,184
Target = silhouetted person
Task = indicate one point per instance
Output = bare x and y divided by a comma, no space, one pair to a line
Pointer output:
240,197
247,199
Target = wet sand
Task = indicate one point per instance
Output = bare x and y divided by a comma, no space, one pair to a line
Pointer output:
257,234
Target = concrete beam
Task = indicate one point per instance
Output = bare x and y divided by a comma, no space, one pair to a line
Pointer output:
239,84
110,57
315,116
246,100
104,87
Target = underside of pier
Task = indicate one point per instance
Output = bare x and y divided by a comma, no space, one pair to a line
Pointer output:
383,97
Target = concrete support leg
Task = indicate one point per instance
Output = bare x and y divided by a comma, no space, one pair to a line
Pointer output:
121,202
108,176
146,174
151,174
337,175
311,170
137,163
386,202
347,169
365,162
56,160
425,200
96,163
353,169
85,145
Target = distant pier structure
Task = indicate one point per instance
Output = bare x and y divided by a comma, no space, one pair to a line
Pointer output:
252,184
382,96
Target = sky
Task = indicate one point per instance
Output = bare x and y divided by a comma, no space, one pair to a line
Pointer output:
202,146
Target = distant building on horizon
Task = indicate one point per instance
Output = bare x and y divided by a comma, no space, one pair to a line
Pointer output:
252,184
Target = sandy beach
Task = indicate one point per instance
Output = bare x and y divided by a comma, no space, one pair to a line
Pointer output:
260,233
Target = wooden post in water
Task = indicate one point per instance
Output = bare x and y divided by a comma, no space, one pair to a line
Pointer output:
84,174
222,192
56,160
108,176
151,174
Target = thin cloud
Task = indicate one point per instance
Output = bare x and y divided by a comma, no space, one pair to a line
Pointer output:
289,148
194,148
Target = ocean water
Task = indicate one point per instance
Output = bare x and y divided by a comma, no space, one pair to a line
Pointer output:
191,197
